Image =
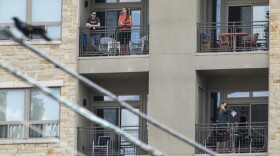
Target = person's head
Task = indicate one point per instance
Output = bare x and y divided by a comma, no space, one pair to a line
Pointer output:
223,104
93,14
125,11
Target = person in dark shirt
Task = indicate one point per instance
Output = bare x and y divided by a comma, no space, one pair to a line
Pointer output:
93,23
222,142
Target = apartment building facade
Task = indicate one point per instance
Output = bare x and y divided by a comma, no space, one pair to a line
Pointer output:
185,57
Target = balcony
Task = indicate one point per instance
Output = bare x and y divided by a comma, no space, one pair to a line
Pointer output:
102,142
233,37
111,42
233,138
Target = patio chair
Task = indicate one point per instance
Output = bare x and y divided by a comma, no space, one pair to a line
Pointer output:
224,41
104,45
102,146
140,46
114,47
250,41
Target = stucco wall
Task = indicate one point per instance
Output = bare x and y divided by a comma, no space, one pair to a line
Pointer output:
172,76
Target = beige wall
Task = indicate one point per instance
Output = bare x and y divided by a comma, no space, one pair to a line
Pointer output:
274,74
41,70
172,76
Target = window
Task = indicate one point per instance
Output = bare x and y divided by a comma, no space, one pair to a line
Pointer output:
237,94
116,1
260,93
41,13
249,113
39,112
247,94
120,97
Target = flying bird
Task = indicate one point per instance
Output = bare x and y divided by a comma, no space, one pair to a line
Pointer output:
27,29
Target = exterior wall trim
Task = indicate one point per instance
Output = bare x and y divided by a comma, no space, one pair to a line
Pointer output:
29,141
55,83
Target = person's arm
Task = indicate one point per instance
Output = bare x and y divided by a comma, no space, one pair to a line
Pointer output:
88,25
120,22
130,22
98,23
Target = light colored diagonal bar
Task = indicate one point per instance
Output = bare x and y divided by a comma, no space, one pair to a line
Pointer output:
82,111
111,95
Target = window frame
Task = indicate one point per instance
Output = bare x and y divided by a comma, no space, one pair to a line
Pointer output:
117,2
28,19
28,122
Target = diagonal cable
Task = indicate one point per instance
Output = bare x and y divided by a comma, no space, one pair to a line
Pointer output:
111,95
82,111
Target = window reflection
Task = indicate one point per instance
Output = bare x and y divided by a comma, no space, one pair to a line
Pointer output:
43,107
238,95
12,109
18,10
51,130
16,131
36,131
129,97
105,1
128,118
3,131
43,130
122,1
260,94
120,97
54,32
41,11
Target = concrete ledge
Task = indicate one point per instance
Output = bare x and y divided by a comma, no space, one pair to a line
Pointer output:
29,141
232,60
55,83
236,154
32,42
113,64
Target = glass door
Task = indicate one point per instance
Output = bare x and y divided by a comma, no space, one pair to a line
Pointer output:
136,28
239,113
127,121
109,21
109,114
130,124
242,15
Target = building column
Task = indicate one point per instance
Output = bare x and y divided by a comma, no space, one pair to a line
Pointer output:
274,79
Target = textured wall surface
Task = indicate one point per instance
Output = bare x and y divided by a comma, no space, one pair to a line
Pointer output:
41,70
274,80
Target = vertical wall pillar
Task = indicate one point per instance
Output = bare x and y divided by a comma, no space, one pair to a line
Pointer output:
172,76
274,79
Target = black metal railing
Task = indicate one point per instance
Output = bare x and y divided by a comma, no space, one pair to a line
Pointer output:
233,36
98,141
233,137
111,41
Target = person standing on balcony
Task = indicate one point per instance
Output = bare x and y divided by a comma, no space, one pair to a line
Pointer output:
93,23
223,135
125,23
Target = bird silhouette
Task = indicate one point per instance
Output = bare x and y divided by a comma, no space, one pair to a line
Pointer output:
27,29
